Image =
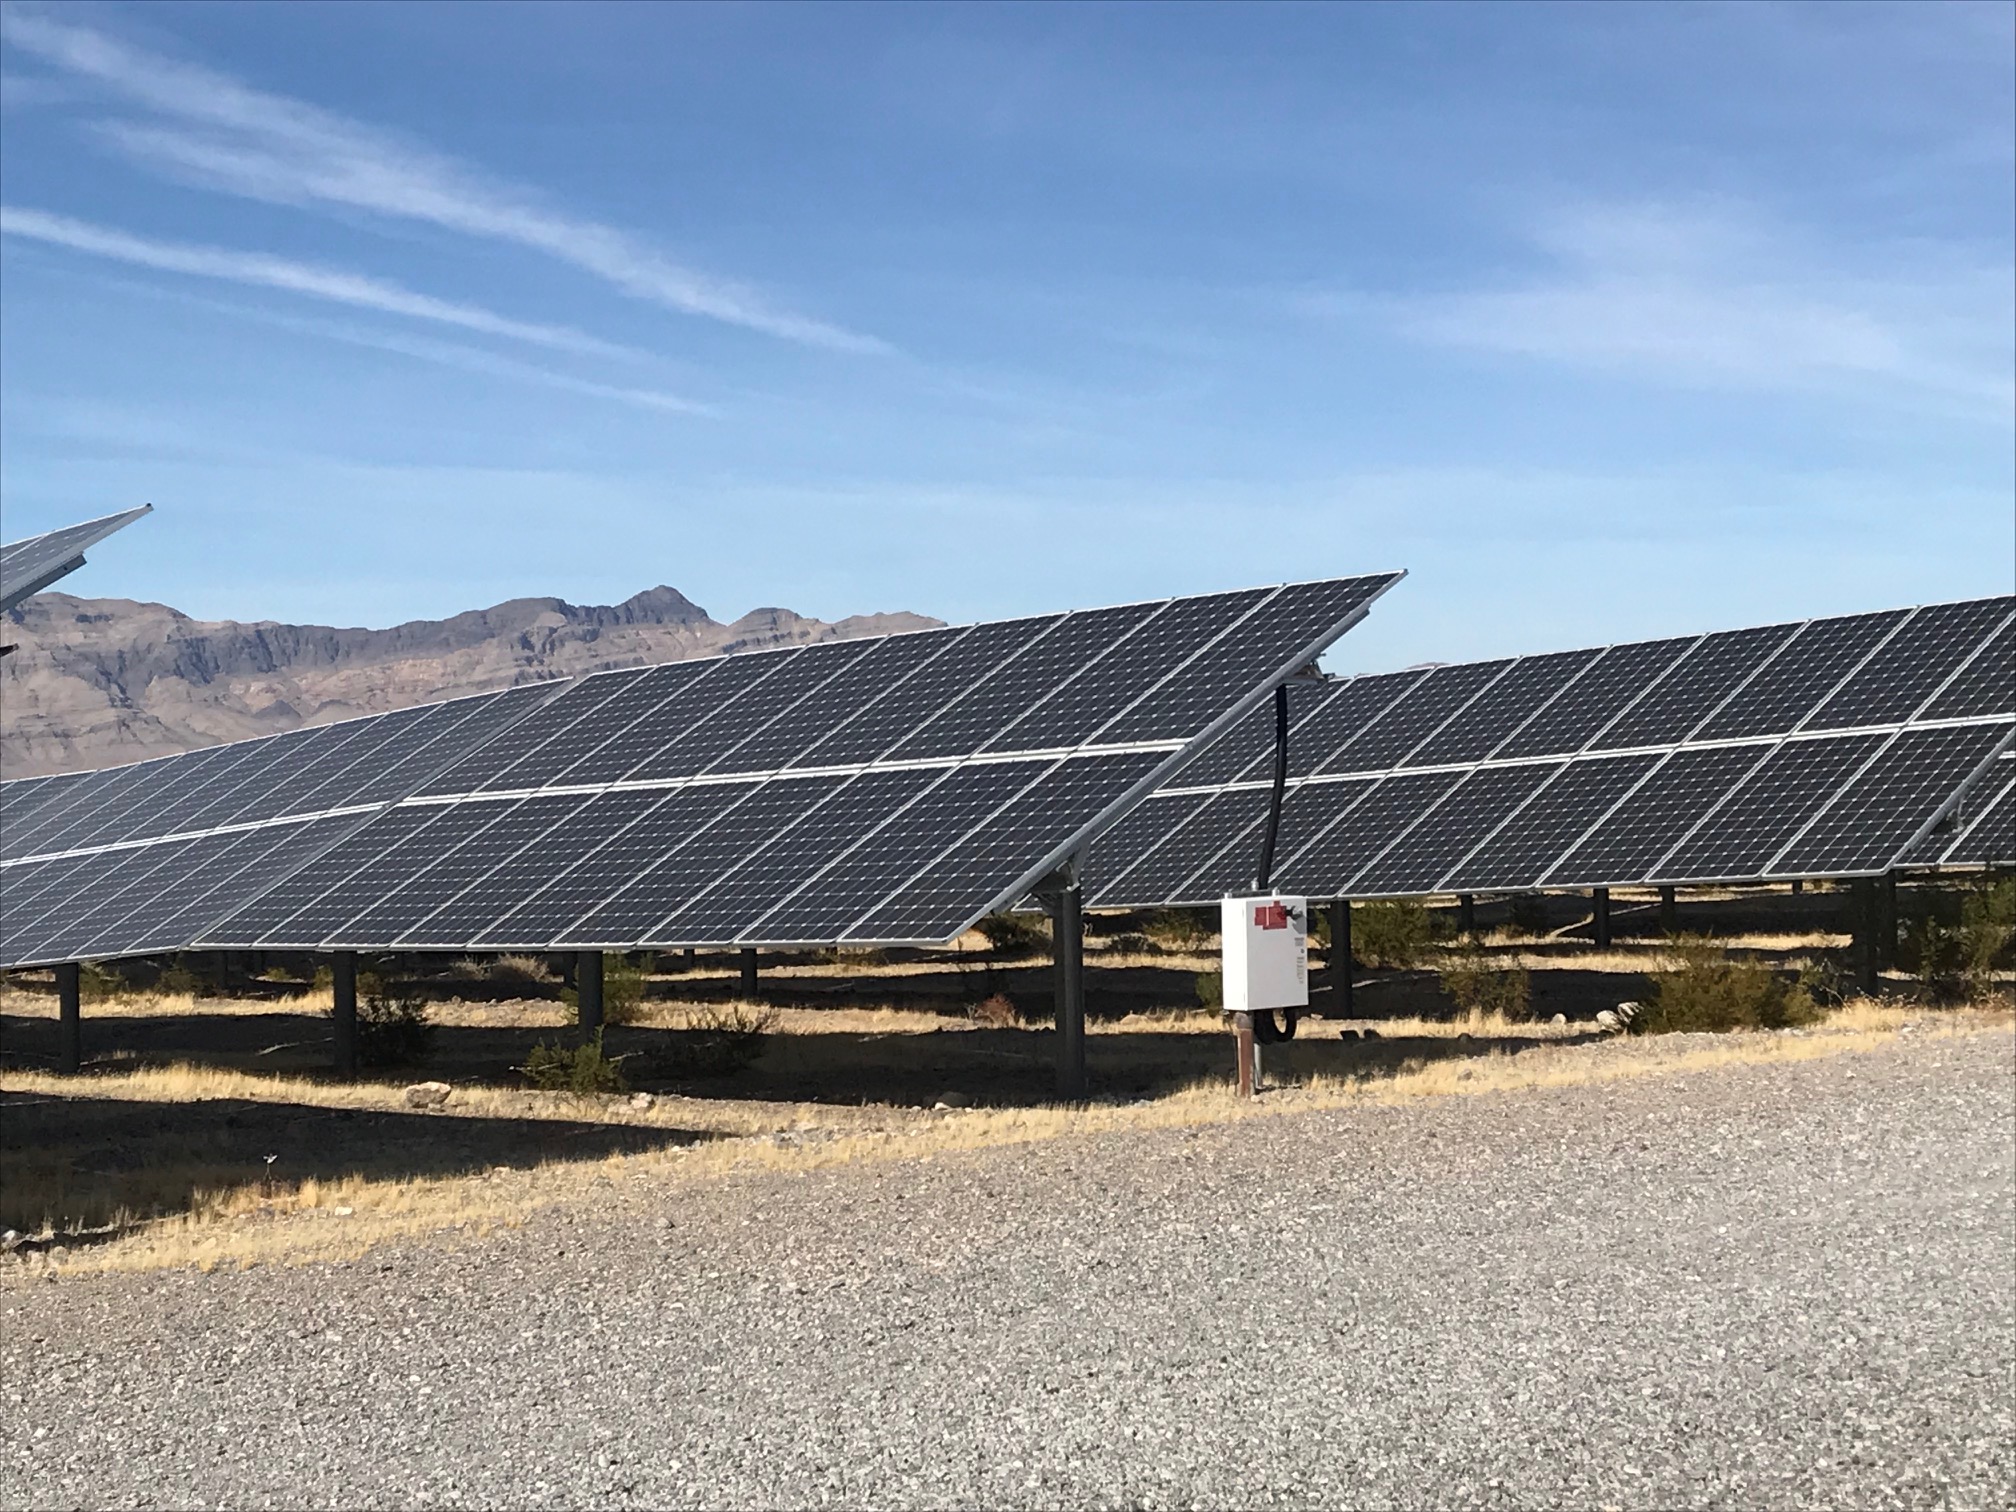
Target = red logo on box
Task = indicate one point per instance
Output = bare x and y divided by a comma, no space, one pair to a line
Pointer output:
1271,916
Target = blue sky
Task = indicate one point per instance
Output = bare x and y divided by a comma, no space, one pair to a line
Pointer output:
1603,321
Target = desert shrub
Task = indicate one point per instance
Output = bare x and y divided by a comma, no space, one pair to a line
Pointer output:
581,1070
1987,933
176,978
392,1024
1211,989
1177,929
98,984
716,1040
1704,989
1015,932
1526,913
996,1012
1824,982
1131,943
622,990
1477,984
1392,934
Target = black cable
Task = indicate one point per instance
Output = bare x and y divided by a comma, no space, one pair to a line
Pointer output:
1265,880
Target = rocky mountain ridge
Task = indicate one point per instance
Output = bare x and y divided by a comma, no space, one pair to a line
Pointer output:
97,682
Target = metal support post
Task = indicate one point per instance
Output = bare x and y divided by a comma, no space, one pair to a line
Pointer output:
1340,958
1466,913
1068,943
1599,923
749,971
343,1011
1886,921
1669,911
1797,887
1862,912
1249,1054
588,992
69,1020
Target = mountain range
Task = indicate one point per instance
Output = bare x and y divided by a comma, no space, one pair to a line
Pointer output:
96,682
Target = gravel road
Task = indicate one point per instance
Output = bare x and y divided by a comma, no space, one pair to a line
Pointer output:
1755,1286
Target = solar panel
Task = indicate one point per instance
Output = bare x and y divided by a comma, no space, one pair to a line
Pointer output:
28,566
1823,748
870,791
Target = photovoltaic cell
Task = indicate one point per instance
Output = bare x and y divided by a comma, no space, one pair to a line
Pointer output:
1421,856
1574,716
1713,670
1990,837
1248,654
790,677
1099,693
863,877
1657,815
680,876
1502,708
744,893
1804,671
410,915
1132,835
615,837
1161,873
971,721
1412,719
887,663
969,877
1891,802
1370,816
1305,811
969,656
261,916
1773,804
1550,824
1911,665
1985,686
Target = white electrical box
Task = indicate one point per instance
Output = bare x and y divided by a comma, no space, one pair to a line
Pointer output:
1264,948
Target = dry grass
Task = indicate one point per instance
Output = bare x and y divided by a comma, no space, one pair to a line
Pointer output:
231,1221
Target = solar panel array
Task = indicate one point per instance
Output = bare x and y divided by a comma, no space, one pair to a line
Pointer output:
1830,747
875,791
28,566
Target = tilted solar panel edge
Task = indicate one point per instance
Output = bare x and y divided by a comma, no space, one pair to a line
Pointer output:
1149,782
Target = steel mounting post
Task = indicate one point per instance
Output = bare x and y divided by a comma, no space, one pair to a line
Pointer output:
1340,958
1064,900
1466,913
1669,911
1599,920
749,988
588,993
69,1019
343,1012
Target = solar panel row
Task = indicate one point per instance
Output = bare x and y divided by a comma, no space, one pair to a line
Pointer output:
1784,750
869,791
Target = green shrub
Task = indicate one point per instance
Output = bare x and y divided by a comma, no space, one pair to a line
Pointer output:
1526,913
716,1040
1703,989
1130,944
98,983
1987,934
1392,934
1211,989
623,986
1824,982
176,978
579,1070
1018,933
1954,938
1478,985
1182,930
392,1024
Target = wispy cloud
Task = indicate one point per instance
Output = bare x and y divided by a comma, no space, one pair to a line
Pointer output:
294,277
229,136
1709,297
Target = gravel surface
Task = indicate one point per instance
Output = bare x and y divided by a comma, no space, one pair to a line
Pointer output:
1754,1286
